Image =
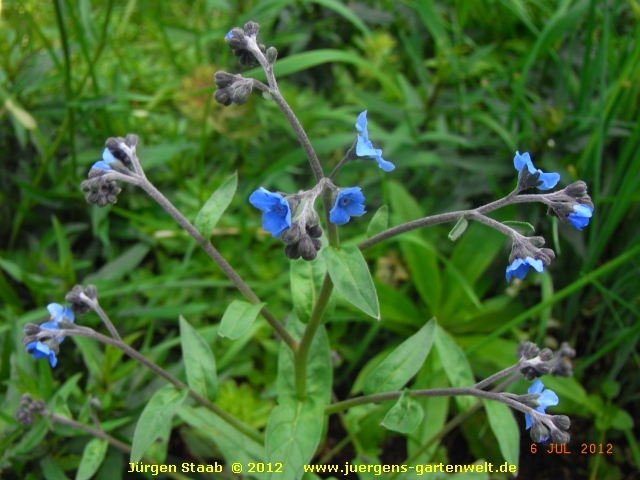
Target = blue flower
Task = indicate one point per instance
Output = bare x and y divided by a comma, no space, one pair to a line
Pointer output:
546,399
519,267
581,216
229,34
548,180
349,203
40,350
364,147
58,312
277,214
107,158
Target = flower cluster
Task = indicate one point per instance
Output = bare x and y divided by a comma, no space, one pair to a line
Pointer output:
525,254
238,39
531,176
573,205
28,406
231,88
41,341
544,426
302,234
100,189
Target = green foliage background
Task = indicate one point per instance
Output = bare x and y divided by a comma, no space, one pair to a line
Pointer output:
452,89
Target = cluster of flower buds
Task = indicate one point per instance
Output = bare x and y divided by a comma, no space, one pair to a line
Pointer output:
303,242
542,425
573,205
80,298
29,406
237,38
536,362
525,253
116,156
231,88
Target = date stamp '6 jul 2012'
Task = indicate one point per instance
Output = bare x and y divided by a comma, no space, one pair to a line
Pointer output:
585,449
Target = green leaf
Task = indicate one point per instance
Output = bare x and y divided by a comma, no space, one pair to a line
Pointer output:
293,434
306,280
234,445
505,429
379,222
523,227
403,363
199,362
92,458
120,266
213,209
154,418
51,470
295,427
23,117
351,277
405,415
238,318
456,366
458,229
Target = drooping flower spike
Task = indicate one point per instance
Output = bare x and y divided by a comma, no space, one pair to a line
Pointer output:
364,147
277,214
349,203
549,180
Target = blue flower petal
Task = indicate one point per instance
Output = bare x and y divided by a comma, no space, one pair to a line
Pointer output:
546,399
581,216
58,312
349,203
229,34
40,350
101,165
364,147
519,161
277,213
107,156
519,267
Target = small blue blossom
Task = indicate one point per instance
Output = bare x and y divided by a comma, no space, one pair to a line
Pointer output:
548,180
581,216
546,399
520,267
349,203
107,158
40,350
229,34
58,312
277,214
364,147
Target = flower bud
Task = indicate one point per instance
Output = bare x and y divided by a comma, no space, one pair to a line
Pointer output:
235,38
561,421
291,251
223,97
527,350
31,328
307,249
251,28
576,189
539,432
240,91
292,234
272,55
559,437
314,231
546,354
223,79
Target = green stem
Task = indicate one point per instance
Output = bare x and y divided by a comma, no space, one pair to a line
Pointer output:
302,353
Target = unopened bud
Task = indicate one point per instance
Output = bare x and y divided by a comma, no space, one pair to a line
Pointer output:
251,28
272,55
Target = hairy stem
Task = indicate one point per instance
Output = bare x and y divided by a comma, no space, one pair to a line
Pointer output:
219,260
133,353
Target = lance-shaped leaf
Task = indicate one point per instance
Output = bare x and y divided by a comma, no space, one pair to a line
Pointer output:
213,209
403,363
154,419
92,457
238,318
405,415
458,229
351,277
295,426
505,429
379,222
456,366
199,362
